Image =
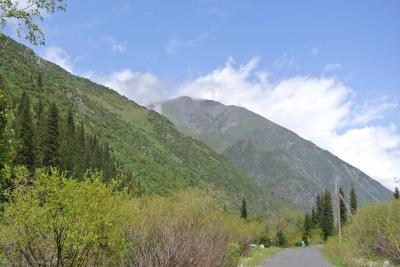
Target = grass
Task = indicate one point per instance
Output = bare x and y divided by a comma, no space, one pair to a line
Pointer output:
335,262
258,256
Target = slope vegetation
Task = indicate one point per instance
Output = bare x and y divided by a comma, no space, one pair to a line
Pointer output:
160,158
278,159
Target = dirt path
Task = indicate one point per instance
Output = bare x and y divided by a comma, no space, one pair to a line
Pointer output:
298,257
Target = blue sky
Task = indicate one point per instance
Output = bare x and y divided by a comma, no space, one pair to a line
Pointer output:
268,56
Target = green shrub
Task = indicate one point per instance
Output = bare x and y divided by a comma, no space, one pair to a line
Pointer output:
374,231
232,255
59,221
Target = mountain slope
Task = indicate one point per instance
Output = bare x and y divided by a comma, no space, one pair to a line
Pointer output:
280,160
161,158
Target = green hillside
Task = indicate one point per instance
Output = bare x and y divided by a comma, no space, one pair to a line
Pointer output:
278,159
146,143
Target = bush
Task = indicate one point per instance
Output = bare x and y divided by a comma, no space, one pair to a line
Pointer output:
374,231
185,229
59,221
232,255
53,220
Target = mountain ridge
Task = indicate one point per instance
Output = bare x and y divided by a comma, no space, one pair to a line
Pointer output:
160,158
274,156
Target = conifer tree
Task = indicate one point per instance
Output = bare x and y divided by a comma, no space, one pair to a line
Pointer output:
313,217
307,225
40,81
24,133
67,147
319,211
243,210
51,147
327,225
396,193
342,207
4,138
353,200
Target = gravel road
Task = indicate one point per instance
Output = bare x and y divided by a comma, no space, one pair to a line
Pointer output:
298,257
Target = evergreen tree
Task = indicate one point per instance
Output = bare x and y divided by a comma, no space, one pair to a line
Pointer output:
24,133
307,225
396,193
319,211
243,210
314,217
40,131
67,147
4,138
342,207
40,81
353,200
51,147
327,224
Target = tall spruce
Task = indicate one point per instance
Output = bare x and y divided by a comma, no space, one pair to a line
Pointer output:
4,138
51,147
24,133
353,200
396,193
308,225
327,225
342,207
319,210
67,147
243,210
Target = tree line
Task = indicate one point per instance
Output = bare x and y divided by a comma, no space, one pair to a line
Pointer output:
44,138
322,214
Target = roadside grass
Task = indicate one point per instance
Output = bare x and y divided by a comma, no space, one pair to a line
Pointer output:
258,256
334,261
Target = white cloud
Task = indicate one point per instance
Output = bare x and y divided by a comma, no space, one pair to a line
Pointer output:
285,61
117,46
321,109
173,45
143,88
332,67
315,51
58,56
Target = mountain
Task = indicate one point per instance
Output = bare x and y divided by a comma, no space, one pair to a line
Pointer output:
278,159
161,158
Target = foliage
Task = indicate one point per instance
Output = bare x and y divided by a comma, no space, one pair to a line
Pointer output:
321,217
278,159
25,16
59,221
353,200
186,229
160,159
342,207
396,194
373,231
258,256
243,209
232,255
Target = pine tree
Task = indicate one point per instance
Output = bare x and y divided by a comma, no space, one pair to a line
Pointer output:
314,217
327,225
307,225
4,138
319,211
24,133
39,137
51,147
40,81
243,210
353,200
67,147
396,193
342,207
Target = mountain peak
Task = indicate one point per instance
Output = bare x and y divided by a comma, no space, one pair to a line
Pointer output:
275,157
